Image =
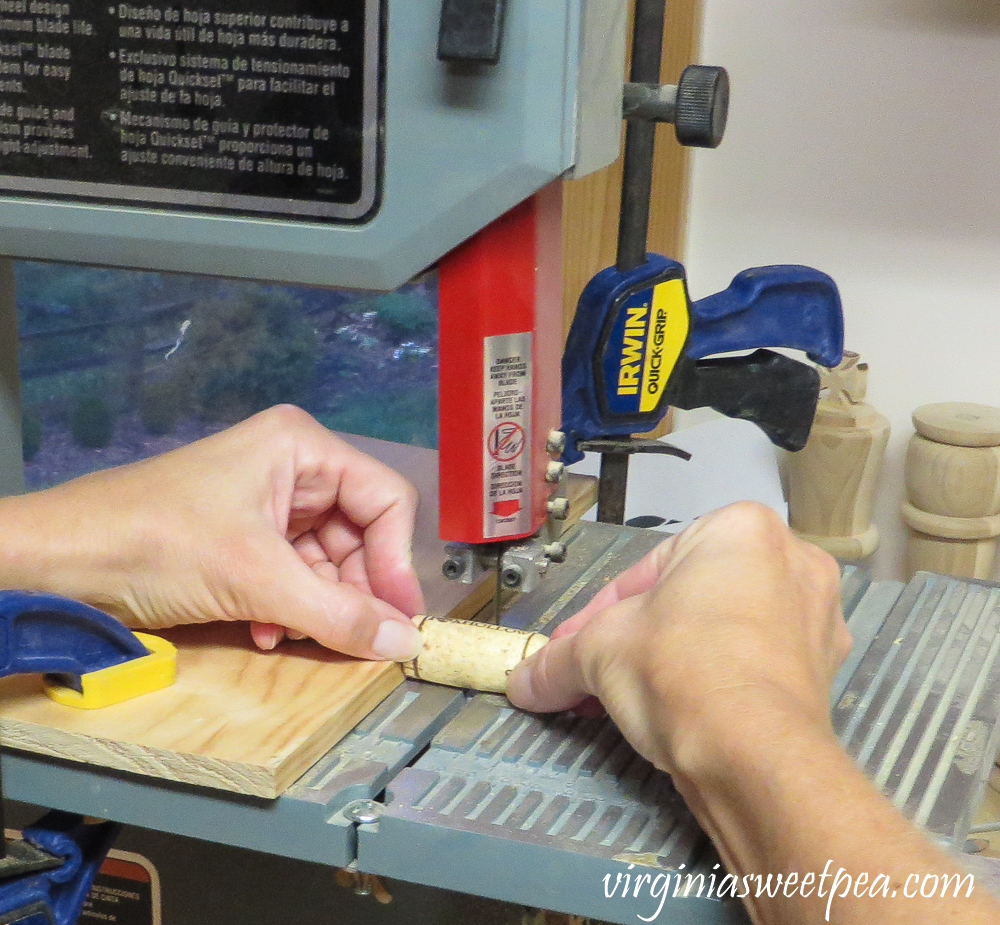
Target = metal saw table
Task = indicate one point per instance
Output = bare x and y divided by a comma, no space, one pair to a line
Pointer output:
466,793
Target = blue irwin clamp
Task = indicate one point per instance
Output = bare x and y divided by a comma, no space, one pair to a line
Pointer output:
89,660
638,345
54,866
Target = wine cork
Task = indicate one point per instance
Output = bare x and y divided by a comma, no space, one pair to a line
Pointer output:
478,656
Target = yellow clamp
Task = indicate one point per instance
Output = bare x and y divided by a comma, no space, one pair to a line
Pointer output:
121,682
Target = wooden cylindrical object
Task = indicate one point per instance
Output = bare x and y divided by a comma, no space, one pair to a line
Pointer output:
832,480
477,656
953,490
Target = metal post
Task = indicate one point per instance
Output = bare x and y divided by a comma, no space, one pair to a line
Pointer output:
640,137
611,488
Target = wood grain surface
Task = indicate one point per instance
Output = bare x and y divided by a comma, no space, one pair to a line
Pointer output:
236,719
832,481
239,719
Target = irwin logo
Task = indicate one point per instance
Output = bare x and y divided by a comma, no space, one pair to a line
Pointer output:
633,347
650,334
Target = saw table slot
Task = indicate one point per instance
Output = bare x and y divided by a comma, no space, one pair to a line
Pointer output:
942,680
680,843
630,825
530,736
911,665
560,729
504,797
635,776
599,825
420,784
464,792
475,799
604,742
875,668
444,794
388,708
551,812
462,732
619,758
580,816
657,787
494,741
920,712
415,715
525,809
865,619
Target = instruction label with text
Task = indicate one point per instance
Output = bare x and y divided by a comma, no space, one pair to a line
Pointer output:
256,106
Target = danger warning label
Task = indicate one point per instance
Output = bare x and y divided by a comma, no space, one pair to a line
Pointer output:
506,437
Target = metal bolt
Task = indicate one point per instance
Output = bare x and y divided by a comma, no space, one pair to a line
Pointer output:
558,508
452,569
556,442
554,471
512,576
364,812
555,551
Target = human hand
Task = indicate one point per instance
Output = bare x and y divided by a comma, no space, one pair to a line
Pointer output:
275,521
731,620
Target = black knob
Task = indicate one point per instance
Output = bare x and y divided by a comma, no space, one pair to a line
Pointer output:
702,106
471,31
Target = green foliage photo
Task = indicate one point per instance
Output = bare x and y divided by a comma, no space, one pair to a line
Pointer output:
243,352
92,422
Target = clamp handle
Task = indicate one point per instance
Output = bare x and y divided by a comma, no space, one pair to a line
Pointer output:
778,306
773,391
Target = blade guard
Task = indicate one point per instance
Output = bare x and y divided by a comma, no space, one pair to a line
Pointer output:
779,306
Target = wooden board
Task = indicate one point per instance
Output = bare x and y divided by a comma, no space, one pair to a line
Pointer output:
236,719
239,719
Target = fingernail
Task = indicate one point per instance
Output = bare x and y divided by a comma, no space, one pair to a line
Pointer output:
396,641
267,637
519,689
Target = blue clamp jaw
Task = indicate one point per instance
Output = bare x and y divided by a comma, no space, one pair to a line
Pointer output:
89,660
55,635
638,345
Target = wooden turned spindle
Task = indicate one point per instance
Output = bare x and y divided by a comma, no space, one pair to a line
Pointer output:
832,480
952,510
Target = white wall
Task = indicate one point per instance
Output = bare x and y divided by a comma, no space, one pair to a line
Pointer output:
864,140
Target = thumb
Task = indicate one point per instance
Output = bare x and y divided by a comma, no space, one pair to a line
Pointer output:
551,679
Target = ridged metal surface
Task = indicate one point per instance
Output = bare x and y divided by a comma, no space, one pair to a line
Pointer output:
364,760
563,781
920,713
560,781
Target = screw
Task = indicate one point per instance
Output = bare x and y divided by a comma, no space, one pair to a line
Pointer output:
363,812
452,569
554,471
556,442
555,551
512,576
558,508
